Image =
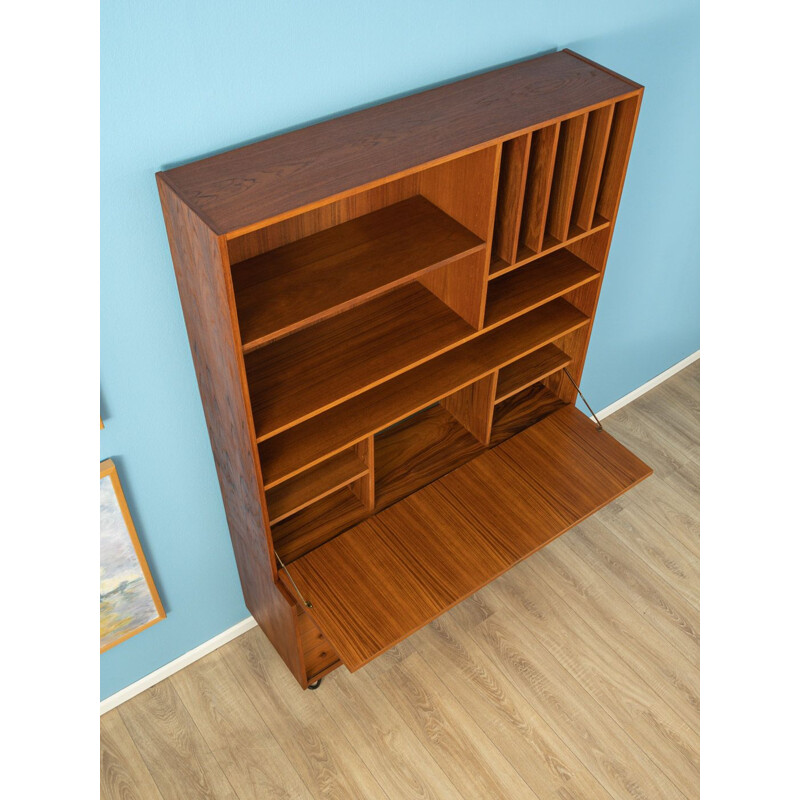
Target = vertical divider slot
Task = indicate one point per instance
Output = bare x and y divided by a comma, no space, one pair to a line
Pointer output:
619,144
473,406
364,487
565,176
598,128
510,196
541,164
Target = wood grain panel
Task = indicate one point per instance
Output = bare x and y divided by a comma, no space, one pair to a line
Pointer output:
592,160
242,187
526,371
565,176
510,196
619,148
298,226
386,577
539,185
206,294
473,406
326,273
464,188
461,286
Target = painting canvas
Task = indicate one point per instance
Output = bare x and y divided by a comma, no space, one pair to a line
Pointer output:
129,602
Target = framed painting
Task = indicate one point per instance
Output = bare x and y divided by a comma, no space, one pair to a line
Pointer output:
129,602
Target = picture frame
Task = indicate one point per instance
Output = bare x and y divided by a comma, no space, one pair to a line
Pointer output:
129,601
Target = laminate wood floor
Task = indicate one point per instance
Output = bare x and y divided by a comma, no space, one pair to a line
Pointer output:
574,675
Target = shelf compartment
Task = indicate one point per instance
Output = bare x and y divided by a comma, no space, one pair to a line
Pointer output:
538,186
313,440
325,478
316,368
380,581
598,128
565,176
323,274
525,255
510,194
431,443
530,369
535,284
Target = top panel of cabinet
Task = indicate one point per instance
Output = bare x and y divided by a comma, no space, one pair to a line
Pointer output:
235,191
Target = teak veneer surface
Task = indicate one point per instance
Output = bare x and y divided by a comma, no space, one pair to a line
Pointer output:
535,283
315,368
320,275
315,483
523,372
387,577
285,454
243,187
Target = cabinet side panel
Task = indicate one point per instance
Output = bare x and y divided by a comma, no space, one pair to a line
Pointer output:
200,272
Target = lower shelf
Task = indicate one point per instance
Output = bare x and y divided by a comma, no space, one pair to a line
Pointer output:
385,578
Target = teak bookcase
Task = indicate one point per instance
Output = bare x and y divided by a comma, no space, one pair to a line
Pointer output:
382,310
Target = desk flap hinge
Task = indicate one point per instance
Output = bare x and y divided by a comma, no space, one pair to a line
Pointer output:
577,388
291,580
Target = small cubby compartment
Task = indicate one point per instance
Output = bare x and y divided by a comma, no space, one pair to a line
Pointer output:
349,467
318,263
530,369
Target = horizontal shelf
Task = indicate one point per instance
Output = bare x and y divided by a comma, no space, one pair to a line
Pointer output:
535,285
313,440
323,274
525,255
530,369
314,484
314,369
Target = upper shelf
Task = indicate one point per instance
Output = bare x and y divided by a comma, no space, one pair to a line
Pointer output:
243,187
335,269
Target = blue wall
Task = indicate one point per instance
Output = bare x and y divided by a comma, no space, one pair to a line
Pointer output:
184,79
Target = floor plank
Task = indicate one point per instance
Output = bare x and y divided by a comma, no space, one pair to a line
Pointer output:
172,747
311,740
649,653
609,752
242,744
469,758
123,773
504,714
382,739
660,732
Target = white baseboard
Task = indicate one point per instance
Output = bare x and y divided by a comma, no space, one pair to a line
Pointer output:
646,387
241,627
178,664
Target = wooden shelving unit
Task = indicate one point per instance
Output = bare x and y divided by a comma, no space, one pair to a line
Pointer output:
381,309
